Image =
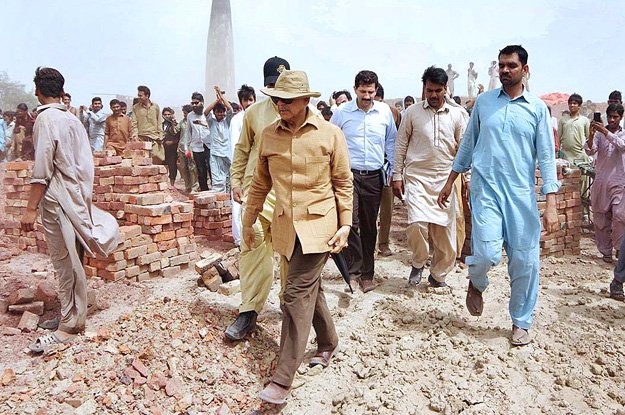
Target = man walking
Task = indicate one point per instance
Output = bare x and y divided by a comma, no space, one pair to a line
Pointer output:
185,163
426,145
370,132
507,133
256,261
61,187
305,160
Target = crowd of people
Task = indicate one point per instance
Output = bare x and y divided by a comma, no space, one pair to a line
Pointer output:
309,181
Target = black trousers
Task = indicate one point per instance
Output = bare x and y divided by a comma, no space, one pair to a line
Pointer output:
202,162
362,237
171,158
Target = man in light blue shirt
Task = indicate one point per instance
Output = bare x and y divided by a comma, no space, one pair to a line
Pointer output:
218,115
507,133
94,120
370,131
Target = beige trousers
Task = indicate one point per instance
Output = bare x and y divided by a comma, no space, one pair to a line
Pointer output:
66,255
256,263
444,241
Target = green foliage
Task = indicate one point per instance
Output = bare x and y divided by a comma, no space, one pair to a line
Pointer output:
13,93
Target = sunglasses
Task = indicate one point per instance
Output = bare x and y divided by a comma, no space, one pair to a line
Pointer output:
284,100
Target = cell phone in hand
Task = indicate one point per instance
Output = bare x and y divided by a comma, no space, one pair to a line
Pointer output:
597,117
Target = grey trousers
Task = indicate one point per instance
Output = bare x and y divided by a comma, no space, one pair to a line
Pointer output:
66,255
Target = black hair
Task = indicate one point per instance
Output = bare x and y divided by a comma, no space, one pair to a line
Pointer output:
187,108
135,101
144,89
167,109
380,91
366,78
575,98
246,92
22,107
518,49
219,107
322,104
457,100
435,75
113,102
615,95
198,96
123,104
345,92
326,111
67,95
49,82
618,108
408,97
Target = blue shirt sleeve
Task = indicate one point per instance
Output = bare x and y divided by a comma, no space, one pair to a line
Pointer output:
462,163
545,152
389,145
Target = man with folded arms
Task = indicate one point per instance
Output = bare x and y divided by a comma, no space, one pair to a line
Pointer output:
305,160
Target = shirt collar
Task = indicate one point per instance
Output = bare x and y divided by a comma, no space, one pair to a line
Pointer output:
444,108
56,105
352,106
523,94
311,119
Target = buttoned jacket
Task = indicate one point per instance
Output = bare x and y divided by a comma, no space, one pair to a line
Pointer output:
309,170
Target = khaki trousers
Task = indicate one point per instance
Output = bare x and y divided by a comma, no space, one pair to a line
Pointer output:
186,167
256,262
303,305
66,255
444,241
460,225
386,214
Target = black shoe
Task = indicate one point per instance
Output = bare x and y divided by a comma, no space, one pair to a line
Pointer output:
415,276
616,290
242,326
434,283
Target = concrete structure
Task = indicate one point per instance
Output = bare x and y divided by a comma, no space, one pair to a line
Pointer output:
220,52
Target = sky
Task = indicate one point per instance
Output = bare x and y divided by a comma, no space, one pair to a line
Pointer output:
110,47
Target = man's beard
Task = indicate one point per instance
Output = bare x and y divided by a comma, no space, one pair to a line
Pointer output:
198,109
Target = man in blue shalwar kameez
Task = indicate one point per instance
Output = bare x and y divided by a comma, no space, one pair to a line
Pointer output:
507,133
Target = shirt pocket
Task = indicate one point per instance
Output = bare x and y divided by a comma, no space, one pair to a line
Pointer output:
322,218
317,170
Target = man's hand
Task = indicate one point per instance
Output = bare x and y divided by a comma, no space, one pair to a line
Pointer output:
248,236
599,127
237,194
398,189
550,219
339,240
443,196
28,220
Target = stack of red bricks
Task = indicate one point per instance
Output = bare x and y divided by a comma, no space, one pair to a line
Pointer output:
157,236
565,241
17,189
212,216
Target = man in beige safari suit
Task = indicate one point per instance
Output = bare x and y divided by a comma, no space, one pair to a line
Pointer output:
305,160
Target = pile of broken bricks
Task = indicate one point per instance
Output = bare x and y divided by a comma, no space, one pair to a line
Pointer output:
31,302
219,273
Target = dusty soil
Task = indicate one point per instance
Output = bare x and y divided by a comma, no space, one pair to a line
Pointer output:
157,348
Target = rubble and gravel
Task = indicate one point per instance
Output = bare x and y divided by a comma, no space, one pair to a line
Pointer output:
157,347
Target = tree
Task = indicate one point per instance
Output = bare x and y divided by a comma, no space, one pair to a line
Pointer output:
13,93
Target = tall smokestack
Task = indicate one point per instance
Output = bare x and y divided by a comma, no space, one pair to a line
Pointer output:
220,52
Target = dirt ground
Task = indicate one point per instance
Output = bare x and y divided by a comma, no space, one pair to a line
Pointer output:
157,347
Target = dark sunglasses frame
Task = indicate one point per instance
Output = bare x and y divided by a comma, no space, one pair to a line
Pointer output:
284,100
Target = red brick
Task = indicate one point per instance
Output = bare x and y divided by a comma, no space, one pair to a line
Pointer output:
28,322
34,307
164,236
